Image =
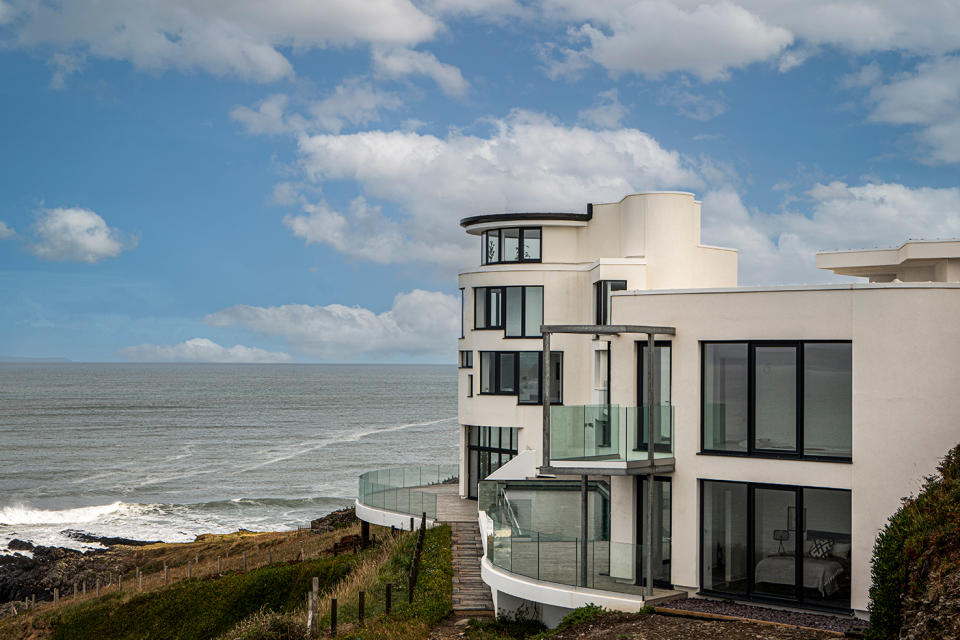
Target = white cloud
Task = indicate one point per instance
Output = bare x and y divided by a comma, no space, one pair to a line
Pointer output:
690,103
606,112
5,231
528,162
354,102
6,12
653,37
780,247
64,65
867,76
420,323
240,38
400,62
928,99
78,235
709,39
201,350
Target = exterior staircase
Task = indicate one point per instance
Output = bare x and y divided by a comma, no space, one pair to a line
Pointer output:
470,592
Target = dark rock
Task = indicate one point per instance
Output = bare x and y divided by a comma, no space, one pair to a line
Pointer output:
336,520
107,541
19,545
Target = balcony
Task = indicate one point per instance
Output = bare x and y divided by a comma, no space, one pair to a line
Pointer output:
610,438
406,490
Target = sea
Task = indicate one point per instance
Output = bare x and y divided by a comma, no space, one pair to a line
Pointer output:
170,451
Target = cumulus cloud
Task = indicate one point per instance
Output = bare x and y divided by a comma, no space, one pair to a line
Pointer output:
201,350
420,323
928,99
690,102
401,62
241,38
778,248
5,231
710,39
606,112
78,235
354,102
867,76
527,162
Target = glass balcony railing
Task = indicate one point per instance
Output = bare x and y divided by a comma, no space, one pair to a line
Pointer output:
609,433
398,489
610,566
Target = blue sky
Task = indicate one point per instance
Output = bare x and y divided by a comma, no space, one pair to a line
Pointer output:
241,181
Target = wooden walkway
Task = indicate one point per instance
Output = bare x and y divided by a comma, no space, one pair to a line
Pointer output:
470,592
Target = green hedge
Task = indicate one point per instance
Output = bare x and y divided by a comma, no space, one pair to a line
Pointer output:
197,609
930,521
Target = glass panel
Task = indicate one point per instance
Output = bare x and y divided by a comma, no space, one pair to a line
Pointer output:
496,317
473,476
724,537
480,307
774,542
611,286
598,305
529,377
556,382
533,311
514,312
511,245
508,373
725,397
776,398
827,399
826,547
474,435
661,529
531,244
486,371
493,246
463,311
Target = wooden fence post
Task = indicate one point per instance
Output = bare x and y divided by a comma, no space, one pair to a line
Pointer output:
74,590
189,570
56,596
415,565
120,583
269,556
333,616
98,586
301,552
389,597
360,606
315,603
164,574
219,572
244,561
84,587
139,580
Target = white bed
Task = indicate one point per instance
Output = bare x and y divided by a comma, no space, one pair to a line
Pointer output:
820,574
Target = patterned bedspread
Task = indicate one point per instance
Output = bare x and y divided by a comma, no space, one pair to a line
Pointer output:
822,575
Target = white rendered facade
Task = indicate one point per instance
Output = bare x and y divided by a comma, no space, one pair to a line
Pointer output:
873,367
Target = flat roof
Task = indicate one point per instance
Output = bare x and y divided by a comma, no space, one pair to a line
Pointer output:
519,215
865,262
793,287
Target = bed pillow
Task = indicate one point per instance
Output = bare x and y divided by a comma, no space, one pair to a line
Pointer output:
821,548
841,550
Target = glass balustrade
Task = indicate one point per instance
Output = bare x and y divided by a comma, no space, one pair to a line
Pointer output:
398,489
598,433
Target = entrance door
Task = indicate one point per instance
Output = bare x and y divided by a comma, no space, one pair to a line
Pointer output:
662,508
661,396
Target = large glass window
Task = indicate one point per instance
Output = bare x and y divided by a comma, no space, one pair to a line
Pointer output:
516,310
601,298
466,359
488,449
519,373
463,312
725,397
778,398
776,542
662,509
512,244
827,398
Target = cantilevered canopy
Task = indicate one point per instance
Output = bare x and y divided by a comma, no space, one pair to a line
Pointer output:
606,329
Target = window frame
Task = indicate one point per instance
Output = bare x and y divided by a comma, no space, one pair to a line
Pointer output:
496,359
502,319
466,359
752,450
750,547
601,294
483,445
521,232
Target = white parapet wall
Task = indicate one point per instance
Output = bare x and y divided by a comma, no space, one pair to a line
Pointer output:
385,518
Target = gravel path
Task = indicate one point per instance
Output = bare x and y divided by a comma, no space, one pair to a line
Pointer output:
786,616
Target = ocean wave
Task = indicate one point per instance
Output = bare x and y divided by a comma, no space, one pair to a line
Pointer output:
19,514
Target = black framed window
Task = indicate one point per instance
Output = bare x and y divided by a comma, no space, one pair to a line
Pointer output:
601,298
512,244
516,310
777,399
466,359
781,543
488,449
463,312
520,373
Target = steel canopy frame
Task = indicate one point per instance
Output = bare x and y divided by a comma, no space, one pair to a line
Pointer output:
608,329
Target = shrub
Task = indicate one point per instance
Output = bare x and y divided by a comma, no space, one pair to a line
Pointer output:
587,613
269,625
927,522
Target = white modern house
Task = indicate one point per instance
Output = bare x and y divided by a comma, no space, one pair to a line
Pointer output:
636,427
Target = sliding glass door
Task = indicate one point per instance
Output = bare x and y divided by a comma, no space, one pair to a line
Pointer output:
776,542
662,509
